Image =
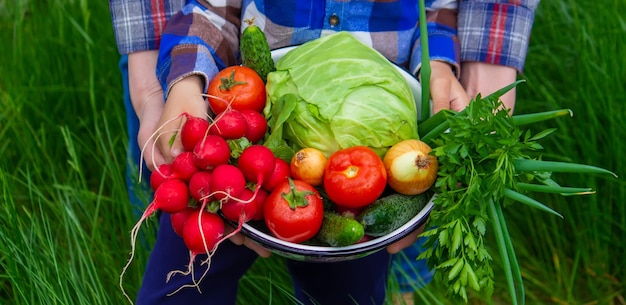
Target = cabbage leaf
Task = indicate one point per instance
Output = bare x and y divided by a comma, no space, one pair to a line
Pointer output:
336,92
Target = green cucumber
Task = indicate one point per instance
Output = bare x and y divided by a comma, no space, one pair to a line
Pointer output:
339,231
391,212
255,51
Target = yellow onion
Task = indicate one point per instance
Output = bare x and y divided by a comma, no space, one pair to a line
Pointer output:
411,170
308,165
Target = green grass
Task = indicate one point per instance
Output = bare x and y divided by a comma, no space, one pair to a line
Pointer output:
65,216
574,63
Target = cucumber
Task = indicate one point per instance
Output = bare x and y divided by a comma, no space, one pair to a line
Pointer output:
255,51
391,212
339,231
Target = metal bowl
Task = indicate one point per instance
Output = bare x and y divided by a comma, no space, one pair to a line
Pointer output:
313,253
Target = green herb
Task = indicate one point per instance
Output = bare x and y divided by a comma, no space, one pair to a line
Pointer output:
485,163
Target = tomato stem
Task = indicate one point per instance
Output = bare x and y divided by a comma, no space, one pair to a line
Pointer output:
351,171
228,83
296,198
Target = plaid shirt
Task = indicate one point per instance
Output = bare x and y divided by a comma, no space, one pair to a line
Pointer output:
201,37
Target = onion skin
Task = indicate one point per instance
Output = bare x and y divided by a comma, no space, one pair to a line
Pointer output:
411,170
308,165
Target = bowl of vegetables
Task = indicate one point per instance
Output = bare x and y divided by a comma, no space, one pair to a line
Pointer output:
347,96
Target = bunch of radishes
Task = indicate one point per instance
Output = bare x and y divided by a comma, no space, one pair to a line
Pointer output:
223,169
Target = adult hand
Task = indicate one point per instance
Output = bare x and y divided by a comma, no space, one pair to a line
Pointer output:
241,240
147,99
485,78
446,91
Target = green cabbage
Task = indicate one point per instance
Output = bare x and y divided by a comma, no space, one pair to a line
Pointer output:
336,92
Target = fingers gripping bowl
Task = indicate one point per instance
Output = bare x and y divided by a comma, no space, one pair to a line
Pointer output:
257,231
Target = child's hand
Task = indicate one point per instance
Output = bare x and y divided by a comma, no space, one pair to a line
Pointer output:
446,91
147,99
485,78
184,97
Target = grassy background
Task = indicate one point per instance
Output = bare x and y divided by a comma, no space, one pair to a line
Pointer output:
65,217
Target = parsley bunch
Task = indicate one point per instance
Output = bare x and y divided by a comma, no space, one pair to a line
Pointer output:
484,162
476,164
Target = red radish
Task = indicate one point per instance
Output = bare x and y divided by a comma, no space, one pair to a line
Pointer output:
194,129
240,209
230,124
260,202
172,196
184,166
202,231
256,125
227,181
257,163
210,152
280,173
162,173
178,219
200,186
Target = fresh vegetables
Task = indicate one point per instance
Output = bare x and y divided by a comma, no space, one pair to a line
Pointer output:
294,211
411,169
307,109
391,212
211,151
229,124
339,231
378,171
281,172
255,51
308,164
236,87
221,171
256,125
192,131
486,161
202,231
354,177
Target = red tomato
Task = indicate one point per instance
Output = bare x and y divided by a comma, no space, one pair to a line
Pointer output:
354,177
239,86
294,211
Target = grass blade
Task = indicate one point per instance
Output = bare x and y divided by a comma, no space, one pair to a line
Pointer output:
529,165
513,195
531,118
531,187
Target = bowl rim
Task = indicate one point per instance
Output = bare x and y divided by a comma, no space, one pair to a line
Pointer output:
376,243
